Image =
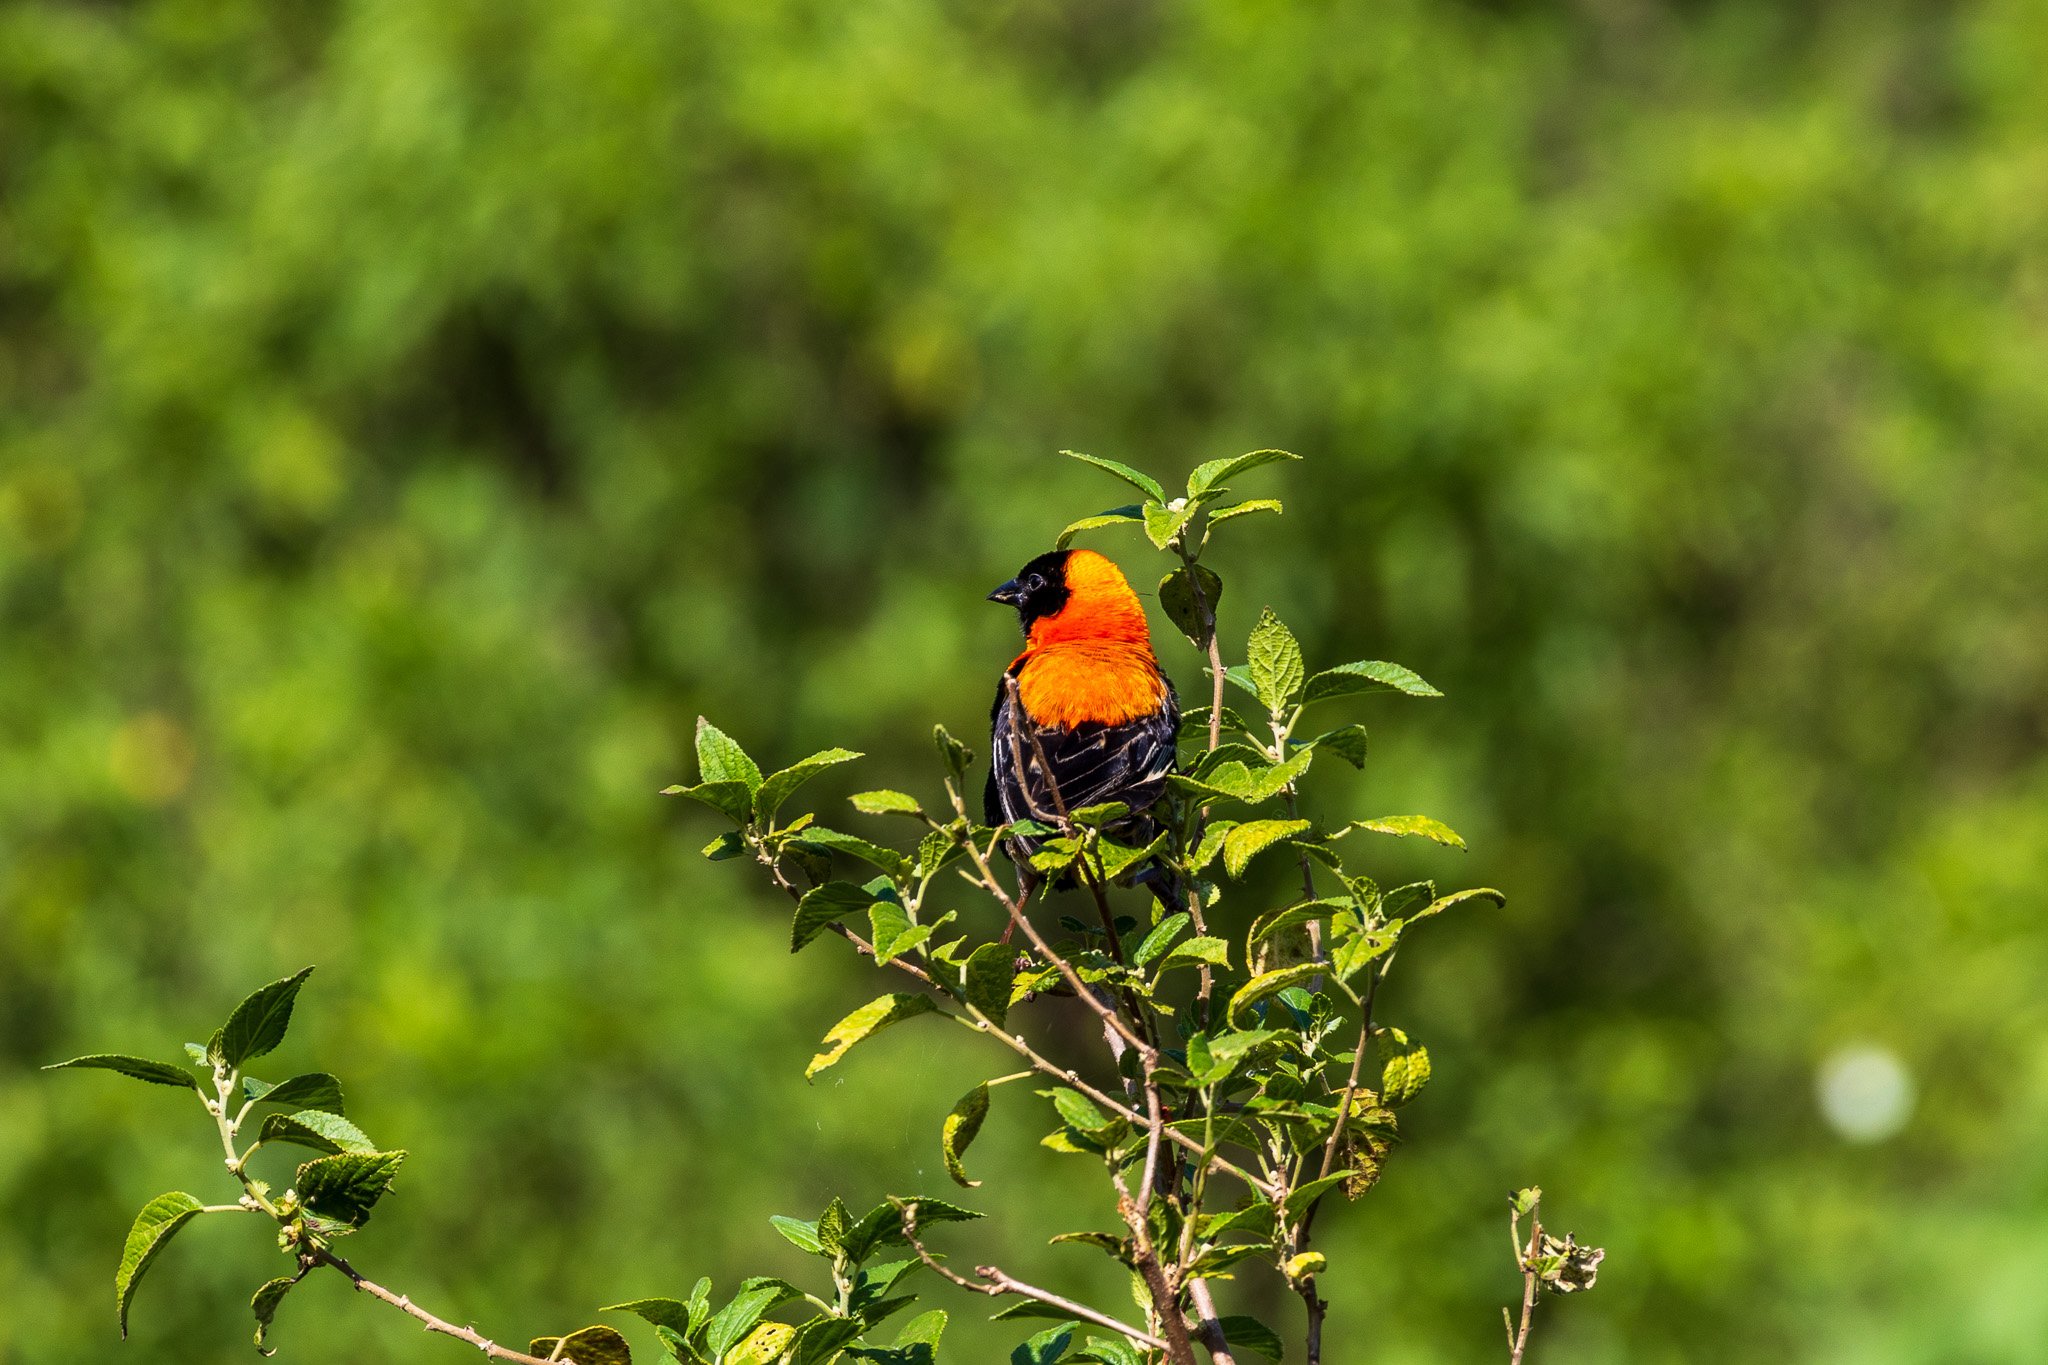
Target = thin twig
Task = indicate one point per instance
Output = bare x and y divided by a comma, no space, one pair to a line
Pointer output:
1528,1262
433,1324
995,1282
1357,1069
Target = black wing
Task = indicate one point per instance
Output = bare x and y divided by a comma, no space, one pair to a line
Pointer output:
1089,765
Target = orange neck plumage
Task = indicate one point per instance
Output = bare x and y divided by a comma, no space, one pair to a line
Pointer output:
1092,660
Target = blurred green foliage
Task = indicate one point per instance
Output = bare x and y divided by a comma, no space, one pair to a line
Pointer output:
413,416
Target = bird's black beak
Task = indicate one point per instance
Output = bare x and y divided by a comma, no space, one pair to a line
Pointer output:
1007,593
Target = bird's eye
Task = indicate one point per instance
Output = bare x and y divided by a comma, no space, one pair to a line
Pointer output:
1033,583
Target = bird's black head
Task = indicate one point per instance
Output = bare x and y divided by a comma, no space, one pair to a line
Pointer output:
1038,590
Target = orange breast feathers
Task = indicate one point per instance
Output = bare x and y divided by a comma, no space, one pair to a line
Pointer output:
1091,660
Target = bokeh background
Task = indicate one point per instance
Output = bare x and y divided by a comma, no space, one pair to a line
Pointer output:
412,416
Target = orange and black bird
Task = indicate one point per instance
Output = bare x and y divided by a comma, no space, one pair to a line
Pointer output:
1090,718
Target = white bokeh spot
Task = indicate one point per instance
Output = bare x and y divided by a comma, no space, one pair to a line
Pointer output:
1865,1092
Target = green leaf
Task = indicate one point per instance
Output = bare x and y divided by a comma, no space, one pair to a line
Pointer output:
734,1321
960,1128
1107,1351
931,1211
826,905
1239,509
886,802
1347,742
259,1022
776,789
1046,1348
1301,1196
865,1023
924,1330
986,979
347,1187
1443,903
1115,516
802,1235
264,1304
730,799
140,1068
160,1218
1079,1112
831,840
1144,483
730,844
1213,951
585,1346
321,1131
1274,659
821,1339
1357,951
1160,939
1307,912
1403,825
1252,1335
721,759
1163,523
1212,474
1254,837
1177,599
1117,859
1368,675
672,1313
313,1090
957,756
891,932
1269,983
1404,1076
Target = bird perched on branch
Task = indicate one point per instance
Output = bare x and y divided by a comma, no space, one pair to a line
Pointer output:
1083,716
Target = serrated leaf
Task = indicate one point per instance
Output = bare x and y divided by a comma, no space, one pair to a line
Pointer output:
1213,951
136,1068
730,844
264,1304
153,1229
314,1128
1443,903
1367,675
1403,825
1347,742
923,1330
1404,1076
959,1130
1211,844
1245,508
832,840
1293,916
1107,1351
1046,1348
730,799
1144,483
931,1211
1301,1196
673,1313
1254,837
1270,983
346,1187
259,1022
779,787
820,1340
1212,474
885,802
721,759
1077,1111
1115,516
800,1234
730,1324
957,757
823,906
986,979
1274,661
1177,600
1163,523
1252,1335
585,1346
863,1024
1160,939
312,1090
1358,950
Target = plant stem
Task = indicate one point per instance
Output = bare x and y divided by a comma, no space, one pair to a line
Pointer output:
1210,1327
322,1256
1528,1261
